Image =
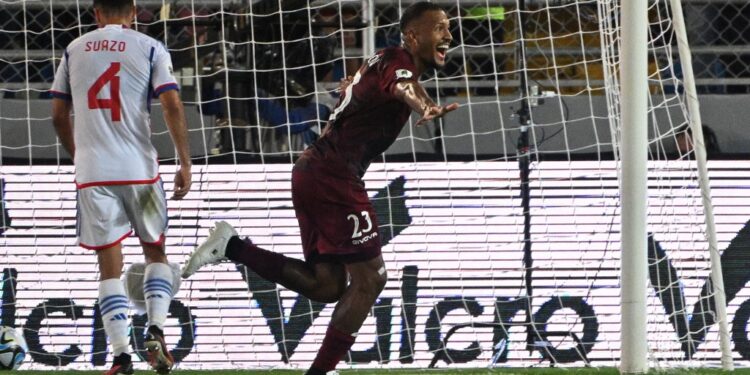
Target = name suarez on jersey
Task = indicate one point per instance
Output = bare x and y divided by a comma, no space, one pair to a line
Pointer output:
105,45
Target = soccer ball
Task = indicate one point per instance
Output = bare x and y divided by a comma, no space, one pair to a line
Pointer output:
13,348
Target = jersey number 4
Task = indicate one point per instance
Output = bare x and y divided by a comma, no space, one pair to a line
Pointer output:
113,103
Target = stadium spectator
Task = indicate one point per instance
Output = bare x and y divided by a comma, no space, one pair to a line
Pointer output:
704,29
684,139
107,77
337,221
296,124
736,34
483,27
190,43
341,15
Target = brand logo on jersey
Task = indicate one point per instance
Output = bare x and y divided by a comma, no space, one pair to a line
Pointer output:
403,73
365,238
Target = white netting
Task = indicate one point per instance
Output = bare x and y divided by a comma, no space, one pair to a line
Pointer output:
256,81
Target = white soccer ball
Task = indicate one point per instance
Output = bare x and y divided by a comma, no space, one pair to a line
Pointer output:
13,348
134,284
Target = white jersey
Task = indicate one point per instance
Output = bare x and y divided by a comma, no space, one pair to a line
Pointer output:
111,74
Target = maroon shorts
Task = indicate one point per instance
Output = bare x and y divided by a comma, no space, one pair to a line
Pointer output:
336,219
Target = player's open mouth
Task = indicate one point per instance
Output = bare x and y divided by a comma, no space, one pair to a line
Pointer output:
442,50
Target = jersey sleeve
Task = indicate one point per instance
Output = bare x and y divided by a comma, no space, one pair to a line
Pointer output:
61,85
162,77
396,66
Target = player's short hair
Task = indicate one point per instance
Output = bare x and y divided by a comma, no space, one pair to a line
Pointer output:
415,11
114,6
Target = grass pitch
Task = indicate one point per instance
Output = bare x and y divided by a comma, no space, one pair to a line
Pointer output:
499,371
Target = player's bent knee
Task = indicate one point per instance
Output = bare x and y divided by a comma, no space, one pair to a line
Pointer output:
371,282
329,293
328,297
330,285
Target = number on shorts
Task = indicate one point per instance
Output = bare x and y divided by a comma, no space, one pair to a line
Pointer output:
357,233
113,103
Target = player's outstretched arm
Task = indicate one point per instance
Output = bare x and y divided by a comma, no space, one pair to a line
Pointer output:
64,124
174,116
413,94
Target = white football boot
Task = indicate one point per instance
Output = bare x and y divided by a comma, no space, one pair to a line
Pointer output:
212,251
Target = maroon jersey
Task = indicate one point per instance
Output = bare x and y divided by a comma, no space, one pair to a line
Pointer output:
368,117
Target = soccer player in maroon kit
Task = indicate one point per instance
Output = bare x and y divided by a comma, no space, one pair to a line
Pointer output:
337,221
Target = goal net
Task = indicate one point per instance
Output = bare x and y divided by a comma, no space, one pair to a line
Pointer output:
500,223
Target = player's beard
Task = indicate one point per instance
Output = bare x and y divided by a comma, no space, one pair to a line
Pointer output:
432,63
429,58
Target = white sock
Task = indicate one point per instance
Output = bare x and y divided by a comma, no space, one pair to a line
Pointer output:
113,305
157,290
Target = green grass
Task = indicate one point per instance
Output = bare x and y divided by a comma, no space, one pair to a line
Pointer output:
499,371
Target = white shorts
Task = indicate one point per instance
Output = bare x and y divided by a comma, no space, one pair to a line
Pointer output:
106,214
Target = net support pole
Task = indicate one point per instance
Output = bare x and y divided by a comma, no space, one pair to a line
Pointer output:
633,185
524,169
696,127
368,33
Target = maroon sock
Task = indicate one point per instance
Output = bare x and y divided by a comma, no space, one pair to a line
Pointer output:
266,264
335,345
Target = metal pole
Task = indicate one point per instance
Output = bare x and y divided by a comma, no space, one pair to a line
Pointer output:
524,118
694,118
368,32
633,185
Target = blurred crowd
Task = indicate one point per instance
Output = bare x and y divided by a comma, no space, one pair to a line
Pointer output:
229,59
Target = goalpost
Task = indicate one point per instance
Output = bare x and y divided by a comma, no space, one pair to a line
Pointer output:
633,185
634,87
717,278
591,242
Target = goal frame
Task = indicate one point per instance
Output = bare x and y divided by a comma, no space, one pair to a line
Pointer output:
634,180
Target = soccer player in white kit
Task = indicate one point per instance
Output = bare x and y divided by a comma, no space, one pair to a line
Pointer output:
108,77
